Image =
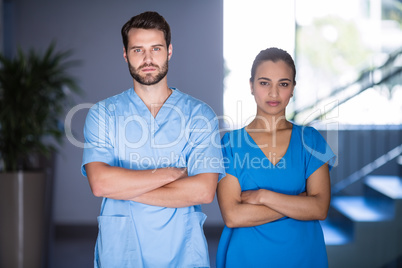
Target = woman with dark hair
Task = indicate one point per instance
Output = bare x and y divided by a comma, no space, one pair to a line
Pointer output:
277,183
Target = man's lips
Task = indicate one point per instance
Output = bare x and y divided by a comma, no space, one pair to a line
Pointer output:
148,69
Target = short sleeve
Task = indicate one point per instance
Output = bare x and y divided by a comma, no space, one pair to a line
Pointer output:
205,155
227,153
99,143
317,150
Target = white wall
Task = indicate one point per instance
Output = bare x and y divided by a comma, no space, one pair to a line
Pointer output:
92,30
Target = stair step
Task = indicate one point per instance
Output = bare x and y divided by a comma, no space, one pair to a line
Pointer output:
361,209
390,186
334,235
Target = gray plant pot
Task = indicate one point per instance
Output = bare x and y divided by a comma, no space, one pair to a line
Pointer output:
22,219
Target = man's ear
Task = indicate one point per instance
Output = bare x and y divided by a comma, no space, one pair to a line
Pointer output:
170,51
125,54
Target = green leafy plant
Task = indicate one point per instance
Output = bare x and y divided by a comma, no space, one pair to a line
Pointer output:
35,90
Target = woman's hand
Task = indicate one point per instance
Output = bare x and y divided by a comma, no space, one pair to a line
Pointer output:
252,196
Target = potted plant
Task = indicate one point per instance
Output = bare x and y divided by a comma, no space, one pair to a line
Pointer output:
35,89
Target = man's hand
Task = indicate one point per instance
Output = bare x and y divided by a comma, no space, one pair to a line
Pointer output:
177,173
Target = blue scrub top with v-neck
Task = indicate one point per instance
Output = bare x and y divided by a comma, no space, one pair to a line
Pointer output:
285,242
122,132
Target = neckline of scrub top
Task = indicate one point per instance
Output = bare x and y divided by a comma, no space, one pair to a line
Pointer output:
156,122
259,149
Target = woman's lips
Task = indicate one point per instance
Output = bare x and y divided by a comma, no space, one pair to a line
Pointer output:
273,103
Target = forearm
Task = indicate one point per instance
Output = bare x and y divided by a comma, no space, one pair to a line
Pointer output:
248,215
296,206
189,191
311,205
126,184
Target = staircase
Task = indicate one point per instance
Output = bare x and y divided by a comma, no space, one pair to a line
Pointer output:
366,231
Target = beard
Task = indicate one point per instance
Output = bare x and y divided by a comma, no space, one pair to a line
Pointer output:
148,79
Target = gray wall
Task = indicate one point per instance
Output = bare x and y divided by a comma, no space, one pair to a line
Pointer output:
92,30
1,25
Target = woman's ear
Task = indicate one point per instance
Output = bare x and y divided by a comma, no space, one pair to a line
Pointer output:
293,90
251,88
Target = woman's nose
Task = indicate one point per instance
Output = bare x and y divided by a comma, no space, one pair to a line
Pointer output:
273,91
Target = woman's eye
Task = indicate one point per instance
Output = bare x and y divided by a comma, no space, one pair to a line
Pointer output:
263,83
284,84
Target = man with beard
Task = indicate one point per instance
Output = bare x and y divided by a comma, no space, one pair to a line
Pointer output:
152,153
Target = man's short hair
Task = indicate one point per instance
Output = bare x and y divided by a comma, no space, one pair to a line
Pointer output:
146,20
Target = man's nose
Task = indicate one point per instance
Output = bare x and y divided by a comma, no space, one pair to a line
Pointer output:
147,57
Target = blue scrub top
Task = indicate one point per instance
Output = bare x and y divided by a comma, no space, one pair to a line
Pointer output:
121,131
285,242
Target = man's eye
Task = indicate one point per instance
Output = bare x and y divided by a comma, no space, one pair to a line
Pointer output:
263,83
137,50
156,49
284,84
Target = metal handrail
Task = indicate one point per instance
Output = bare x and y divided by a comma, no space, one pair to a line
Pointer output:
367,169
366,80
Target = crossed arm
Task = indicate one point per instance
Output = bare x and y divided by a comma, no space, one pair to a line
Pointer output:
252,208
166,187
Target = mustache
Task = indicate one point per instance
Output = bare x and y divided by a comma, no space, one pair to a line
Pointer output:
148,65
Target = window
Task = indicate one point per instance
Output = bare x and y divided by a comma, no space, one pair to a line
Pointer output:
250,27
